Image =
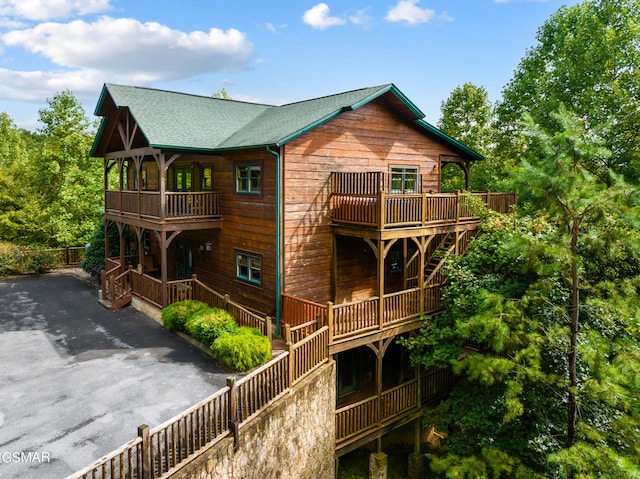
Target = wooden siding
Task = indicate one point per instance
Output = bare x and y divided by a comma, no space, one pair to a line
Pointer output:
368,139
248,225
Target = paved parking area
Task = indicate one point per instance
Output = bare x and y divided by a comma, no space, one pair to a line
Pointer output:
76,380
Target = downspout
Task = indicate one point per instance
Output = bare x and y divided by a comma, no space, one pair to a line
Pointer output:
278,235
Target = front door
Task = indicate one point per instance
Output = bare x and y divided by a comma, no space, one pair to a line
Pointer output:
185,258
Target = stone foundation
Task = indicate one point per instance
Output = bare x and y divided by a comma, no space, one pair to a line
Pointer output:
294,438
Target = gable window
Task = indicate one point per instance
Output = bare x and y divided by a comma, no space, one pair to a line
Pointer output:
207,175
248,179
248,267
404,180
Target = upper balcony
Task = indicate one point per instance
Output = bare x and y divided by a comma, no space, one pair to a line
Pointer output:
370,199
170,207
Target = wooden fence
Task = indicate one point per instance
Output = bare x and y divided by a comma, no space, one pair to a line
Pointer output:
157,452
26,259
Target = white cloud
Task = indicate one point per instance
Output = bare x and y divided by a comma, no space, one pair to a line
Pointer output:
51,9
361,18
142,51
35,86
409,12
318,17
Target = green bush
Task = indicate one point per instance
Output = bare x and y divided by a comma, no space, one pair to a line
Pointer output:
211,324
176,315
244,350
8,254
38,261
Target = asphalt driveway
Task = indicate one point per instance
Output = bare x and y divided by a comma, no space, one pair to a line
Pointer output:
76,380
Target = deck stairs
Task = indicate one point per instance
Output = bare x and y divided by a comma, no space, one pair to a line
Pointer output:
432,270
116,290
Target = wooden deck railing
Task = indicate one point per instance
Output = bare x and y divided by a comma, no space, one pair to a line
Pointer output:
376,411
147,287
200,426
347,320
384,210
156,453
147,204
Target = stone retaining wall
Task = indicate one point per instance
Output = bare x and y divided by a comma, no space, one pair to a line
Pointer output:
294,438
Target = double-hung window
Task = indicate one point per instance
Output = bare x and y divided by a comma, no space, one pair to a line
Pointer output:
207,177
249,267
404,180
248,179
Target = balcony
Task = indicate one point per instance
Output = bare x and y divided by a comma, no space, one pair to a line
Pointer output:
175,206
398,312
366,199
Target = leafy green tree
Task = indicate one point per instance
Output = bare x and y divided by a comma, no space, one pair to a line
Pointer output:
65,181
221,94
544,310
587,57
468,116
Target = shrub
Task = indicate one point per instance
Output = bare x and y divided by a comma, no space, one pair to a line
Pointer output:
210,325
176,315
38,261
244,350
8,254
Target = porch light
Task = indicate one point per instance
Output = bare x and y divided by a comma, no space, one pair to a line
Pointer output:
208,245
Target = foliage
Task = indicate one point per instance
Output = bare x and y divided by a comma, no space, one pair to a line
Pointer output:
94,255
468,116
221,94
586,58
243,350
50,190
543,307
8,255
22,260
176,315
208,325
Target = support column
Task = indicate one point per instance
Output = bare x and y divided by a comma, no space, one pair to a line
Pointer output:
378,465
416,460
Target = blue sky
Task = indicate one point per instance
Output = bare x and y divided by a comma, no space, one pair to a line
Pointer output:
268,51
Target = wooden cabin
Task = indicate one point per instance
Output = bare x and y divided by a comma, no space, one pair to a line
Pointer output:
326,211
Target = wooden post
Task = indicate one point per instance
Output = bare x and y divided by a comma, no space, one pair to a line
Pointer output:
381,210
330,320
458,206
145,450
225,301
269,327
232,420
287,332
381,257
289,348
425,210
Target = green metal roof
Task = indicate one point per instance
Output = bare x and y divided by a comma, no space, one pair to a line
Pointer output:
190,122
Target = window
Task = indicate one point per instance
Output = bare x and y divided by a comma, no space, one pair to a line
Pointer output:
248,179
207,175
249,267
183,178
404,180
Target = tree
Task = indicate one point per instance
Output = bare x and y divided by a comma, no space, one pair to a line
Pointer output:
14,197
468,116
548,303
587,58
221,94
65,180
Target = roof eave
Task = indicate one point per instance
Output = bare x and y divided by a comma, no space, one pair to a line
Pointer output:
453,142
397,93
